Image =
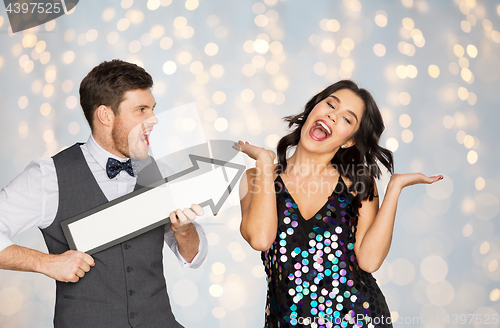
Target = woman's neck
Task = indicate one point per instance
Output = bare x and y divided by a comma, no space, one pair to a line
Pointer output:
304,163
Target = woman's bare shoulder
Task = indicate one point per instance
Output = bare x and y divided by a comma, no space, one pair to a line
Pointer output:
347,181
348,184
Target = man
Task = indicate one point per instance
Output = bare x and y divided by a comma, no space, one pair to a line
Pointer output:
122,286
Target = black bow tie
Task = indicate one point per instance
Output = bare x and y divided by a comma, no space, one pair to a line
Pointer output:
113,167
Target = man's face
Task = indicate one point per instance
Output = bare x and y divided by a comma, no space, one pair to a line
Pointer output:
134,123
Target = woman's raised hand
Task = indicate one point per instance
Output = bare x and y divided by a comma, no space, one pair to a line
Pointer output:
408,179
255,152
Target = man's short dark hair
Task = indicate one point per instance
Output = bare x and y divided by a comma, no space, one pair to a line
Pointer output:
107,83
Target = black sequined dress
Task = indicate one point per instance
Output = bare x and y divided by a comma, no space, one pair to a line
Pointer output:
312,273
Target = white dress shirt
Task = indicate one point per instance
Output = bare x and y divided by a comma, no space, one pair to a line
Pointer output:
32,198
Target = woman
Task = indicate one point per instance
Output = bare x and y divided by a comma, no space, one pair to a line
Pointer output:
315,215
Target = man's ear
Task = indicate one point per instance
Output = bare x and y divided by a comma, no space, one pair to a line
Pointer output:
104,115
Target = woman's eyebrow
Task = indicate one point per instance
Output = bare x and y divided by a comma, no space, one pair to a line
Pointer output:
353,114
336,98
350,111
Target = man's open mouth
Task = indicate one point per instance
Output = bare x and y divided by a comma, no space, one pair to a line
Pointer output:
146,137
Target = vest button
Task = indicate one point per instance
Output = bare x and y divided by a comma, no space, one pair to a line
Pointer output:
132,315
131,292
126,246
129,269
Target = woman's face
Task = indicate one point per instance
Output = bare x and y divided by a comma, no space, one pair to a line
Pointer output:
333,122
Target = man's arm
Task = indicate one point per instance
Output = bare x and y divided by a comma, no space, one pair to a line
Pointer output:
67,267
31,200
186,238
185,232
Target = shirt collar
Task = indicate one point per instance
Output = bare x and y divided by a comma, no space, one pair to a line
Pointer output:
100,154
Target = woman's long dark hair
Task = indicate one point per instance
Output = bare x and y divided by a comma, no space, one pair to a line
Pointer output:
358,163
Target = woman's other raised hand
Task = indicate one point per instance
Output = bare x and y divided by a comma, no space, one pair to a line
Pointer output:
408,179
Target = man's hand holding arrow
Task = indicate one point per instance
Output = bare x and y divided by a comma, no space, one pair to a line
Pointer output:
181,223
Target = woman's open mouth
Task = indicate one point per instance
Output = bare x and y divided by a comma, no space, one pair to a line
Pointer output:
320,131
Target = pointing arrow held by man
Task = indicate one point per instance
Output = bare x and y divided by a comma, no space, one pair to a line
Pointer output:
147,208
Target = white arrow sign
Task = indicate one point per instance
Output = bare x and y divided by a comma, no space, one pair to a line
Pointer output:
147,208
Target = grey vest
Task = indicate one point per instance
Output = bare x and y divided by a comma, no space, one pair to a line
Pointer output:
126,287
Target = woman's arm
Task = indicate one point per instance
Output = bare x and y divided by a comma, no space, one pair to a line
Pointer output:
375,226
259,221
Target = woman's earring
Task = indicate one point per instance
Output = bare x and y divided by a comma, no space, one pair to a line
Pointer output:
343,146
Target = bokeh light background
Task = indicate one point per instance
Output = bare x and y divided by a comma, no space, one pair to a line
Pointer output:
432,66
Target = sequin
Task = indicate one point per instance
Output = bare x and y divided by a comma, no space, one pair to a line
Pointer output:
312,271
